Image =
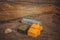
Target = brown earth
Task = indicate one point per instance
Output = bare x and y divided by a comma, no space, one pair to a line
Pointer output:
13,11
46,14
50,22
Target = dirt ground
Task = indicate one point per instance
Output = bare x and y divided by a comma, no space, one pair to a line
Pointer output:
9,11
49,21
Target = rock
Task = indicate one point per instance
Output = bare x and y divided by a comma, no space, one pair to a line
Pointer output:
11,11
8,31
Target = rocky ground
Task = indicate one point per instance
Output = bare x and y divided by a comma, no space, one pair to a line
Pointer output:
49,21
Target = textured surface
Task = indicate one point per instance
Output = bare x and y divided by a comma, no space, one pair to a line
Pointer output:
50,20
10,10
50,32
